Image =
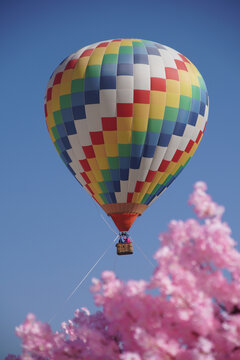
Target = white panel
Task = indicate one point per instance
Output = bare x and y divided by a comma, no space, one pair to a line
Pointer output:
80,179
183,143
141,76
168,59
83,133
121,196
174,53
188,131
125,96
124,82
200,122
158,157
107,103
93,117
133,175
172,147
156,66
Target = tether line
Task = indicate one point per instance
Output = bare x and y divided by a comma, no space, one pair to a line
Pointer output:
143,253
84,278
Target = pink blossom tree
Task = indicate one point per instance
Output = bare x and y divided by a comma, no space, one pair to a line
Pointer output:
195,316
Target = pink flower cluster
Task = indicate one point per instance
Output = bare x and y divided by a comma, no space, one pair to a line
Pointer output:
194,313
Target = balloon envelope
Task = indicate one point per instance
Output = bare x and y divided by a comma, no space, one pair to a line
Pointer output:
126,116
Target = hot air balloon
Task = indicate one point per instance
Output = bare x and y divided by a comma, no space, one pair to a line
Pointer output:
126,116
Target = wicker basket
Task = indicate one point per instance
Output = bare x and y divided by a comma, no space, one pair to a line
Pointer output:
124,249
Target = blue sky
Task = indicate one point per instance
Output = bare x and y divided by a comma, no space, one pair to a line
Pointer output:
51,231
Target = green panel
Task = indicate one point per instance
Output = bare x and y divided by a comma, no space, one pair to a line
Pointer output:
170,113
124,149
57,148
154,125
196,92
106,176
57,115
110,59
103,187
138,43
155,189
167,180
125,50
185,102
177,172
202,83
55,132
65,101
113,162
138,137
103,198
93,71
145,198
77,85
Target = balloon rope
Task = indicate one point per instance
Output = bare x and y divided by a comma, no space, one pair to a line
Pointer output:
107,223
84,278
143,253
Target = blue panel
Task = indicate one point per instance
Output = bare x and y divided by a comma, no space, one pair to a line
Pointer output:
109,70
207,99
179,129
61,130
203,95
183,116
108,197
151,138
113,197
159,46
136,150
79,112
72,171
164,139
108,82
66,157
124,162
67,115
125,69
114,174
162,187
60,144
109,186
195,105
192,118
149,151
124,173
92,83
92,97
202,109
140,59
66,143
135,162
125,58
70,128
149,199
116,186
77,98
168,127
139,50
152,51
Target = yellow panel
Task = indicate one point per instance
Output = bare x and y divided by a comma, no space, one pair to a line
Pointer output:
99,150
193,76
50,121
158,97
91,176
172,100
176,168
184,158
195,70
124,123
56,91
124,137
156,111
141,110
155,181
92,188
111,149
55,103
193,149
143,191
170,167
184,76
99,199
52,136
163,178
93,164
112,49
96,187
126,42
103,163
140,124
135,197
185,89
110,137
96,56
49,107
67,75
65,87
80,68
97,174
172,86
